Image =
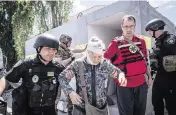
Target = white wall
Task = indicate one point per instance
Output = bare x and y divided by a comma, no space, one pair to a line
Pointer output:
77,29
104,33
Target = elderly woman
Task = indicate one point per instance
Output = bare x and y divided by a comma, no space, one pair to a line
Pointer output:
95,72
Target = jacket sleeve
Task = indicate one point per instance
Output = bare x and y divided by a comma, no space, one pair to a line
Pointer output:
64,82
16,72
111,50
111,68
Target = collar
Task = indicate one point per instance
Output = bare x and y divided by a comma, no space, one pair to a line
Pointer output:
163,35
38,61
87,64
133,39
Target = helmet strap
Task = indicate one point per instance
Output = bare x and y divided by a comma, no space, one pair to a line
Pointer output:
154,34
38,54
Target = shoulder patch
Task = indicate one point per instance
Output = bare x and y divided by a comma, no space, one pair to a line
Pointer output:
171,40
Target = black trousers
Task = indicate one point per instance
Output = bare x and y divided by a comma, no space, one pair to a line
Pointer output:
163,91
49,110
132,101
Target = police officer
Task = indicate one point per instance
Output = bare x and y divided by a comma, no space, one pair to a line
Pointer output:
164,86
40,76
64,53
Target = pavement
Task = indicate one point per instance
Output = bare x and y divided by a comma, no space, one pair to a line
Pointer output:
114,109
149,107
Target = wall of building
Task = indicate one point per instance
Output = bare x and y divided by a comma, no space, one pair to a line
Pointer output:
148,13
106,34
76,29
80,30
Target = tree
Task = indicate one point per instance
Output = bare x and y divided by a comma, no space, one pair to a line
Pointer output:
7,9
60,10
21,20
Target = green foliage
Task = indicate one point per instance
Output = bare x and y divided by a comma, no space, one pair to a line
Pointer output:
22,19
23,22
7,9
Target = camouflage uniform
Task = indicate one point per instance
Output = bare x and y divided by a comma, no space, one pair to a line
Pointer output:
64,52
102,71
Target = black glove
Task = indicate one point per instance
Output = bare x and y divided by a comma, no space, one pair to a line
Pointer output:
72,59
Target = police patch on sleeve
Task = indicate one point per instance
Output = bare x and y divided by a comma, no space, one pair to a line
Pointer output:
171,40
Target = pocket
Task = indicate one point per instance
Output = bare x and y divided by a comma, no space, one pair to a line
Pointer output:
136,68
169,63
48,98
35,99
145,85
19,100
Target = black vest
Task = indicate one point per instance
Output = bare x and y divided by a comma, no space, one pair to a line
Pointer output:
42,85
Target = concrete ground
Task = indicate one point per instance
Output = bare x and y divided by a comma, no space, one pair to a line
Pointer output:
149,108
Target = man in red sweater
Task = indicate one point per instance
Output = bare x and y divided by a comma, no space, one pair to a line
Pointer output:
132,98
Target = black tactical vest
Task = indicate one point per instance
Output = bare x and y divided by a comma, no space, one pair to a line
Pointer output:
42,85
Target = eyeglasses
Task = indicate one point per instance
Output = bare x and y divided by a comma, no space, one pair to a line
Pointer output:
130,27
49,49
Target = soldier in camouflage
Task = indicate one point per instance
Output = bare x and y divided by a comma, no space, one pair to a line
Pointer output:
65,57
65,54
96,72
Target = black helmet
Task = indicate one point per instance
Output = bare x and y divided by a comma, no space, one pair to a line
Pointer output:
65,38
46,40
155,24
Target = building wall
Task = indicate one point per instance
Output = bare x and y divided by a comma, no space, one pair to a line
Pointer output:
76,29
148,13
106,34
80,30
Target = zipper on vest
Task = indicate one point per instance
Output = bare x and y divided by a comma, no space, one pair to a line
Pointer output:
41,99
93,86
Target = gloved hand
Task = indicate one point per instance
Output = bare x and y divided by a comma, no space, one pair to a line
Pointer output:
72,58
